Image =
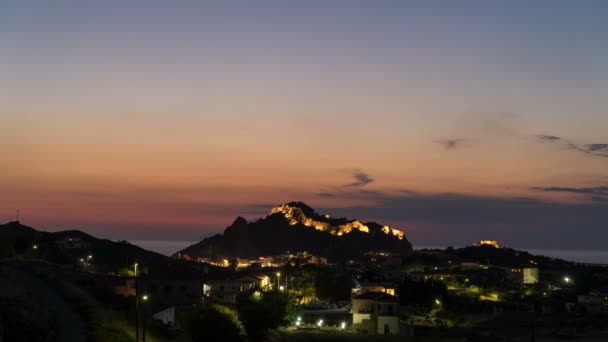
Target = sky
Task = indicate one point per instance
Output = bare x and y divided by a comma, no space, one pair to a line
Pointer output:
452,120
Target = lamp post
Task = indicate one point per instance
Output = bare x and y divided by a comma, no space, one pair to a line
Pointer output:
278,279
136,307
143,323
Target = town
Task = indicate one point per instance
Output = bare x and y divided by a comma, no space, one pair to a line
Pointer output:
480,292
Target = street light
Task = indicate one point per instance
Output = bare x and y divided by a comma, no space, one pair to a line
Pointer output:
320,323
278,278
567,279
343,325
90,257
143,323
437,301
35,247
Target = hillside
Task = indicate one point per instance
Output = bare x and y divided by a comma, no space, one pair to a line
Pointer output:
70,246
296,227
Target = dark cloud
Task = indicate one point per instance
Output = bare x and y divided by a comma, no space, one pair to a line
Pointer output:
361,179
548,137
458,219
326,194
598,150
598,190
599,199
449,144
596,147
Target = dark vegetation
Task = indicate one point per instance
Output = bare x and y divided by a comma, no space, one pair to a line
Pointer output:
23,317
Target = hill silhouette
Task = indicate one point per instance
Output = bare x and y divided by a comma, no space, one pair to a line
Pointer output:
296,227
72,245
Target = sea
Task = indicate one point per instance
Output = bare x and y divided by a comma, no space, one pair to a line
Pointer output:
576,255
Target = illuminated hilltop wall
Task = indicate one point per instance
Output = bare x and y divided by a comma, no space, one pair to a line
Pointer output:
294,214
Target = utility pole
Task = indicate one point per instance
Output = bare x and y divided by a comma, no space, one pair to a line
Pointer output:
136,306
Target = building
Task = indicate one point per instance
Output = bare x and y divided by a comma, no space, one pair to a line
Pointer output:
524,275
318,260
493,243
261,281
593,304
365,287
530,275
376,313
226,291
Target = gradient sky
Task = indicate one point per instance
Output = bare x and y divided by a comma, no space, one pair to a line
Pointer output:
453,120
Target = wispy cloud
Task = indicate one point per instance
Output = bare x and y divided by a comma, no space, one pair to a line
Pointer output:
361,179
450,144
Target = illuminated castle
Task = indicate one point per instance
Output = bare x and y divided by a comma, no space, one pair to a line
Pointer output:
300,213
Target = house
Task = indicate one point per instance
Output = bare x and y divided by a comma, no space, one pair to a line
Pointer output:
376,313
593,304
165,286
530,275
365,287
318,260
226,291
261,281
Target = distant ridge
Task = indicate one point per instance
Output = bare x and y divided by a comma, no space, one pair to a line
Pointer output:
296,227
15,238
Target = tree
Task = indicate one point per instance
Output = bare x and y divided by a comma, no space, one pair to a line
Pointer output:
212,323
261,311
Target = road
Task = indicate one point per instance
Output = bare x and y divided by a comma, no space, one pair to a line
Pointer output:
71,326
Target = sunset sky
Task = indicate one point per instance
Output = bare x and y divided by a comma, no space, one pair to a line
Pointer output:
453,120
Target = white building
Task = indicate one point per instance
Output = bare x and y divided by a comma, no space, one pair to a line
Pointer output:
376,313
530,275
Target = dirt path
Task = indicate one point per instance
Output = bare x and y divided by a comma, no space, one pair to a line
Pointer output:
71,326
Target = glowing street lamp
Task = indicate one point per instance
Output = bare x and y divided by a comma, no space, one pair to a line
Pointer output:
437,301
567,279
320,323
343,325
278,278
35,246
90,256
143,328
282,288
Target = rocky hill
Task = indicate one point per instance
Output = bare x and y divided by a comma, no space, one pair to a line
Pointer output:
296,227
